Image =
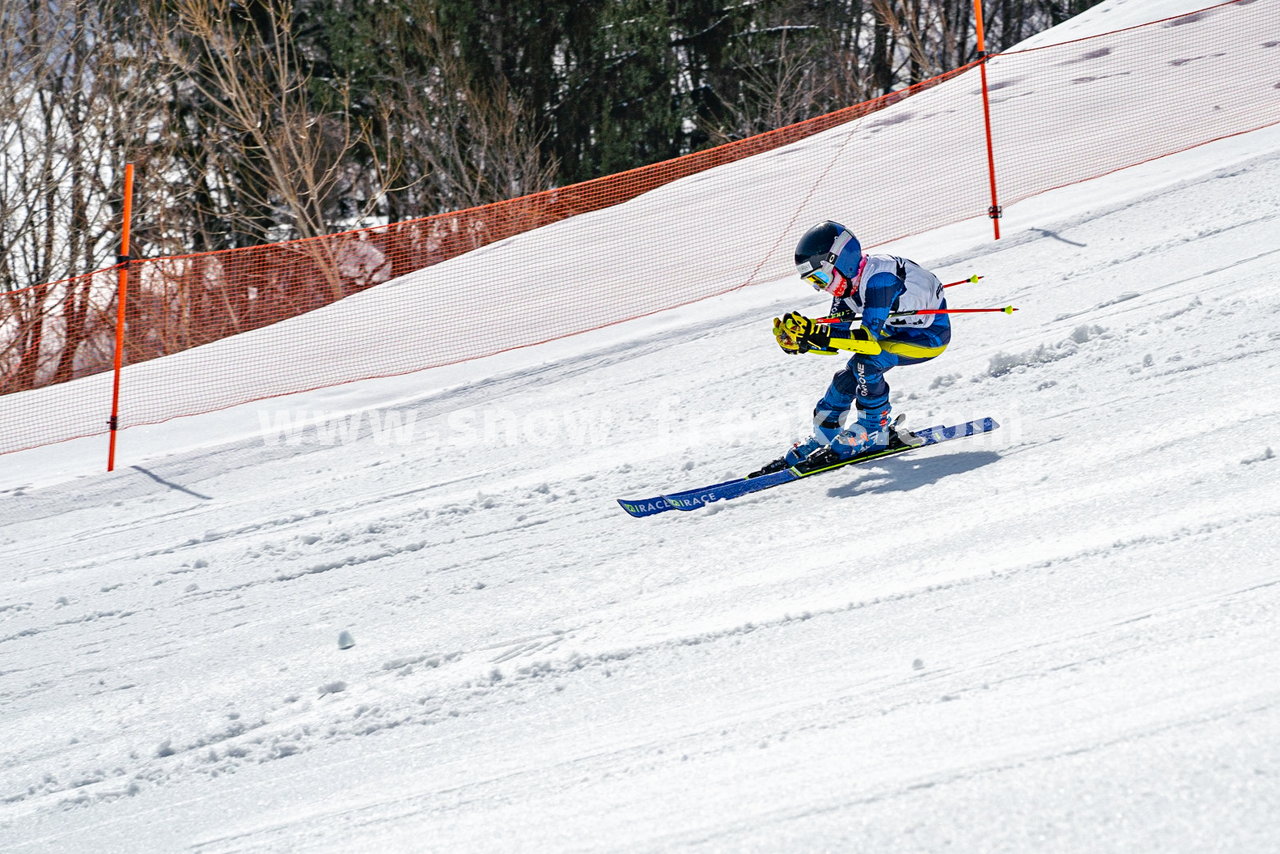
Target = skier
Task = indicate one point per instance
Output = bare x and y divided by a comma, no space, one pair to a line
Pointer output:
884,291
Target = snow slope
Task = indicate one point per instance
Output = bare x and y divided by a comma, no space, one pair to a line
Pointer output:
1057,638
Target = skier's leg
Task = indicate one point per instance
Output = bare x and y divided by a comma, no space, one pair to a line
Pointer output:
871,394
863,383
909,347
827,415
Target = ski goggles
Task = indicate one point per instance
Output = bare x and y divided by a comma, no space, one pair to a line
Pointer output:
820,279
819,272
829,281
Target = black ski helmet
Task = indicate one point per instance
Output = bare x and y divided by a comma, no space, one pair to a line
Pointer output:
827,246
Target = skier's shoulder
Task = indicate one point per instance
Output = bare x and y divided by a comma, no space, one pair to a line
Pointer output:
891,263
882,271
878,263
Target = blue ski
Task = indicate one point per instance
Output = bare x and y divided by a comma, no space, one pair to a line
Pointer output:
692,499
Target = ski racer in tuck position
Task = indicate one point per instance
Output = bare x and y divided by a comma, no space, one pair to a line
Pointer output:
884,293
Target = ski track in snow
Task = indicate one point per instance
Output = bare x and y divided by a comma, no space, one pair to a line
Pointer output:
1057,637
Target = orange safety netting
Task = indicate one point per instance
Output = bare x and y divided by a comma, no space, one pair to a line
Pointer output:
1162,87
66,329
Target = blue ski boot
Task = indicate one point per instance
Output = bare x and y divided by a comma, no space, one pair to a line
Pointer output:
826,429
871,432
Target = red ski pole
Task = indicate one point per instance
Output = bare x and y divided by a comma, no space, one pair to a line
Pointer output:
1008,309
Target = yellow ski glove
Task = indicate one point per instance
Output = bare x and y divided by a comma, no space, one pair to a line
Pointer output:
799,334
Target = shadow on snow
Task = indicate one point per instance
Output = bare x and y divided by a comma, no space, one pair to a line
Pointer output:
904,475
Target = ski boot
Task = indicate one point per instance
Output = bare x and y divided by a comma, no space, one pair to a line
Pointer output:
798,453
826,429
873,432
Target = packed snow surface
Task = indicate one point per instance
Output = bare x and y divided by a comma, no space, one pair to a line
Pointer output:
409,615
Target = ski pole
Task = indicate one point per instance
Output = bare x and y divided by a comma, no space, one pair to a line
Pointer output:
972,279
1008,309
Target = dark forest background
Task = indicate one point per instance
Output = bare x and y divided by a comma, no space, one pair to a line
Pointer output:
253,121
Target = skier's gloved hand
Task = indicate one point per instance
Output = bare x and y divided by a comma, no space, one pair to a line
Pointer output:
803,333
785,341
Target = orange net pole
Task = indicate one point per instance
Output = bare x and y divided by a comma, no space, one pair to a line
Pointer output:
994,210
122,292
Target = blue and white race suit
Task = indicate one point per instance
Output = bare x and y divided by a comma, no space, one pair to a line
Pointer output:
887,285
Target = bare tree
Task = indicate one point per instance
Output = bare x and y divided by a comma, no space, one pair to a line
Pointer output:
253,87
69,107
781,81
459,144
